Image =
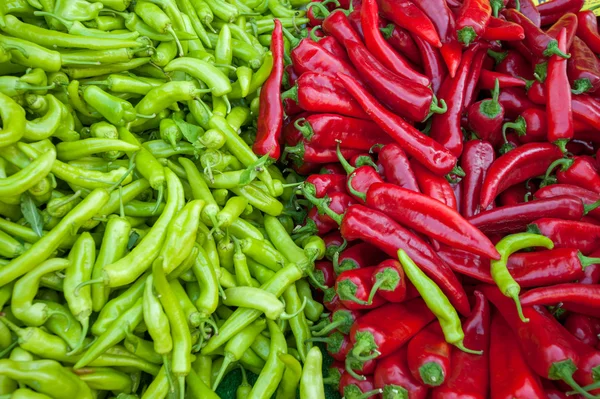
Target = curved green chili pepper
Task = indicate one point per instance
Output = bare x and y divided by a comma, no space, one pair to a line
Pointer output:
242,51
163,96
298,324
82,72
70,151
216,80
107,379
45,126
13,121
258,78
291,377
127,84
142,348
159,387
271,375
117,111
34,56
311,384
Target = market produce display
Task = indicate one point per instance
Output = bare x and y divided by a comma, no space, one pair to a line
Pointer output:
199,198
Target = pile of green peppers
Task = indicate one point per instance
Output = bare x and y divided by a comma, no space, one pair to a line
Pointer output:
145,250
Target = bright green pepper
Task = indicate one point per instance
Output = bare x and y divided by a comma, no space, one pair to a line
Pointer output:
271,375
127,84
106,379
291,377
45,126
13,122
216,80
311,383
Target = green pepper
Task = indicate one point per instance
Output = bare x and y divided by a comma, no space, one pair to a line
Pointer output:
222,10
77,10
116,111
142,348
77,72
79,29
291,377
216,80
311,383
271,375
127,84
106,379
45,126
13,122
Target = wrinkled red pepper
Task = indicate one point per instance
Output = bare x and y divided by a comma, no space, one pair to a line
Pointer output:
476,159
527,8
551,11
472,20
583,68
539,42
587,29
428,356
396,167
433,64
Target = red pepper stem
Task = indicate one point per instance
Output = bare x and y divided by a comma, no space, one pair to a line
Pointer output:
564,371
461,346
319,6
553,49
588,208
313,35
587,261
292,93
497,5
364,160
457,171
562,144
351,371
330,327
369,394
581,86
294,42
355,192
321,204
378,283
346,290
387,31
491,108
590,387
345,164
431,373
562,162
497,56
467,35
437,107
304,128
519,126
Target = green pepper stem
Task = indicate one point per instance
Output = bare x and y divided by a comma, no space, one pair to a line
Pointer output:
329,328
587,261
376,286
321,204
553,49
437,107
461,346
351,371
515,297
590,387
9,349
519,126
224,365
170,31
353,191
590,207
79,346
496,55
316,282
168,373
286,316
564,371
68,24
347,167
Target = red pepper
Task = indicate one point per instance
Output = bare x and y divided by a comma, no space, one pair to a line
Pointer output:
393,376
582,327
551,11
487,80
515,101
331,300
397,168
500,29
330,130
514,218
289,76
511,62
476,159
531,126
569,234
333,242
401,41
469,373
381,49
526,7
305,168
428,356
313,13
558,91
322,224
569,23
574,293
518,165
516,194
510,376
552,393
586,109
539,42
485,117
389,281
472,87
587,29
341,319
547,345
407,15
587,367
445,128
304,152
472,20
434,186
583,68
433,63
580,171
424,149
360,179
337,25
324,273
352,388
338,345
587,196
270,119
381,332
316,92
428,216
357,256
354,288
334,374
407,98
327,184
330,44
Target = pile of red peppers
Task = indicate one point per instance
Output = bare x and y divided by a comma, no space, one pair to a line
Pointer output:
450,149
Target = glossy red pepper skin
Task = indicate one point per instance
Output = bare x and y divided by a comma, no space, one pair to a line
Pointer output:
333,242
304,152
366,385
358,256
551,11
476,159
332,168
433,63
428,216
573,293
393,289
428,356
359,181
586,109
472,20
587,196
538,42
324,268
469,377
396,166
424,149
500,29
531,126
580,171
515,102
327,184
567,21
518,165
528,9
309,56
338,346
587,29
487,80
378,229
514,195
510,376
558,91
406,97
392,374
434,186
582,327
402,42
511,62
289,76
331,44
407,15
316,92
270,119
339,202
358,284
472,88
514,218
485,119
569,234
446,127
583,68
331,300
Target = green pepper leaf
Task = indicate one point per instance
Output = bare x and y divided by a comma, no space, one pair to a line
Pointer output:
252,171
189,131
32,214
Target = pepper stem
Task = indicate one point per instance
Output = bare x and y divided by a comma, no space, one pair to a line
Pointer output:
304,128
313,35
432,374
562,144
68,24
345,164
590,207
294,42
286,316
581,86
461,346
497,5
519,126
168,372
515,297
315,281
355,192
458,171
553,49
435,108
330,327
378,283
84,330
291,93
564,371
321,204
387,30
587,261
562,162
351,371
590,387
466,36
368,394
346,290
170,31
224,365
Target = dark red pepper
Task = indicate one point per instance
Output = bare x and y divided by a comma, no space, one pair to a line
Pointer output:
587,29
551,11
515,101
393,376
321,223
389,281
516,194
587,196
472,20
332,168
487,80
270,119
531,126
583,68
569,233
338,345
528,8
341,319
331,300
434,186
334,374
580,171
354,287
352,388
424,149
324,273
500,29
586,109
327,184
539,42
401,41
433,63
485,117
316,92
518,165
428,216
476,159
469,377
428,356
558,91
397,169
582,327
304,152
472,88
357,256
511,62
333,242
407,15
510,375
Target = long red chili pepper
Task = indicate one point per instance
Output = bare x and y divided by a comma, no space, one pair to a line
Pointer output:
401,41
433,63
316,92
587,29
518,165
551,11
360,179
580,171
428,356
510,376
429,216
469,373
434,186
406,97
389,281
476,159
539,42
487,80
357,256
396,167
424,149
531,126
569,23
304,152
270,119
515,102
587,196
407,15
591,275
586,109
582,327
485,117
526,7
354,288
472,88
327,184
381,49
511,62
546,344
500,29
569,233
514,218
472,20
393,376
583,68
337,25
572,293
322,224
446,128
558,91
